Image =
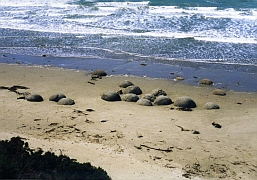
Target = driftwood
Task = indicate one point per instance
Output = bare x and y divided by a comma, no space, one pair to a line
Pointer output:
148,147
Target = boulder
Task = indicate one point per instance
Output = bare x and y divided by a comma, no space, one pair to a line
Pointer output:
210,105
184,102
206,82
162,100
150,97
219,92
56,97
158,92
144,102
66,101
111,96
34,98
125,84
130,97
98,74
132,89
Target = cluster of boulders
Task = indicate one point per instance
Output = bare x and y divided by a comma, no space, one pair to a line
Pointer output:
60,98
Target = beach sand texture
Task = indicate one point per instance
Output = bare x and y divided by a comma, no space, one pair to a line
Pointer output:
127,140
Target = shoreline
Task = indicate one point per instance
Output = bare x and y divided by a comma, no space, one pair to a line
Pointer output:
122,132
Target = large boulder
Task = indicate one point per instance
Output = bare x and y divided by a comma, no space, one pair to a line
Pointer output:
162,100
125,84
56,97
144,102
66,101
210,105
184,102
206,82
219,92
150,97
130,97
132,89
111,96
158,92
34,98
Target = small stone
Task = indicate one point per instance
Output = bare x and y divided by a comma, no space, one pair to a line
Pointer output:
144,102
219,92
162,100
98,73
66,101
184,102
150,97
206,82
132,89
179,78
56,97
158,92
111,96
210,105
130,97
125,84
34,98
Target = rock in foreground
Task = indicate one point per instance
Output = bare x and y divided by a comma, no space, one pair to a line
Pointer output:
210,105
34,98
162,100
185,102
66,101
111,96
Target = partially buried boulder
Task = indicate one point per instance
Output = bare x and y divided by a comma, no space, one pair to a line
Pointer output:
210,105
98,74
219,92
34,98
144,102
66,101
132,89
125,84
130,97
184,102
150,97
206,82
111,96
162,100
56,97
158,92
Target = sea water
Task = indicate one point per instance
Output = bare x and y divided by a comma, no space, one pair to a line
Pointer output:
176,32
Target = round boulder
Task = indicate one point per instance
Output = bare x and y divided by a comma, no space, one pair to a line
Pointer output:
144,102
130,97
185,102
34,98
210,105
56,97
66,101
158,92
206,82
98,73
150,97
162,100
125,84
219,92
132,89
111,96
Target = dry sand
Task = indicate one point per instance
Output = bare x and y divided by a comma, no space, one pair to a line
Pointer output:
131,141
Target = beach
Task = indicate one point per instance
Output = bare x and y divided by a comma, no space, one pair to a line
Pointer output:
127,140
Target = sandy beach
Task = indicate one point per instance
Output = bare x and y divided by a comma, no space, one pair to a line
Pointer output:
127,140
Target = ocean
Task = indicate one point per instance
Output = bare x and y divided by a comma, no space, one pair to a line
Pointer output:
194,34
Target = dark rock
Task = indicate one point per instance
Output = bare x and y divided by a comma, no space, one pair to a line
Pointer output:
125,84
34,98
144,102
111,96
150,97
98,74
219,92
158,92
132,89
210,105
185,102
130,97
162,100
216,125
206,82
66,101
56,97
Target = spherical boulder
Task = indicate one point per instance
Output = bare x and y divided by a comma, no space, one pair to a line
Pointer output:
111,96
130,97
150,97
66,101
206,82
158,92
162,100
125,84
34,98
56,97
184,102
210,105
144,102
219,92
132,89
